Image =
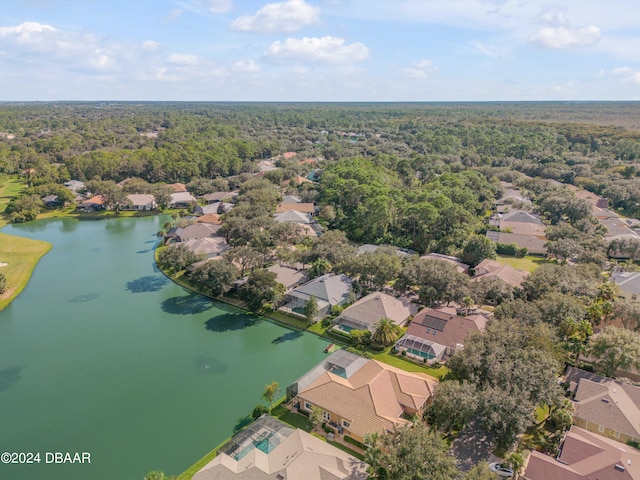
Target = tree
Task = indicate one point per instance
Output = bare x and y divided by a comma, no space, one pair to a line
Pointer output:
360,337
319,267
386,332
4,286
261,288
259,411
311,309
516,462
480,471
628,313
271,393
316,416
413,452
454,404
215,276
615,348
575,334
176,257
476,249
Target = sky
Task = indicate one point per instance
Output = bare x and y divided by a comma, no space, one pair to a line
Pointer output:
319,50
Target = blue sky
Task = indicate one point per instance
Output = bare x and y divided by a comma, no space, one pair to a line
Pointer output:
320,50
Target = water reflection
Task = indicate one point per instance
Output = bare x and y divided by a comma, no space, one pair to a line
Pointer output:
149,283
8,377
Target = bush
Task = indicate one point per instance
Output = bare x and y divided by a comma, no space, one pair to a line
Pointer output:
326,322
328,429
303,412
336,310
631,443
376,347
404,353
259,411
511,249
358,444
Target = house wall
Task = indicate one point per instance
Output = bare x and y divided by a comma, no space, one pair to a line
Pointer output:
602,430
333,418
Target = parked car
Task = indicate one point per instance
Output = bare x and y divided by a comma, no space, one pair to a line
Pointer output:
501,469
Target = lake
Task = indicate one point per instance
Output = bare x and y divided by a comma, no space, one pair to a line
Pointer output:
103,354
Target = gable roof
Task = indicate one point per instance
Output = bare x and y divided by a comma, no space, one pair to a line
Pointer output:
373,398
289,454
522,228
219,196
533,243
585,455
330,288
182,197
444,328
490,269
629,282
212,218
455,261
292,216
298,207
611,403
291,199
141,199
95,200
288,276
196,231
208,246
177,187
521,216
366,312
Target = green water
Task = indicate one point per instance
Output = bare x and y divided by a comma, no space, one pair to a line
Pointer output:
102,354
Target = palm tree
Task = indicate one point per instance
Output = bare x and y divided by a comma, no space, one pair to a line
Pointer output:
467,304
386,332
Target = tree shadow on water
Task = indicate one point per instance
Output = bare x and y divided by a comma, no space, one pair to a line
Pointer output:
241,423
186,304
150,283
230,321
289,336
8,377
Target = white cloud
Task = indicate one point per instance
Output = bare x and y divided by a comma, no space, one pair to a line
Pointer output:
26,29
288,17
150,45
493,51
219,6
627,74
421,69
562,37
553,16
182,59
329,50
248,66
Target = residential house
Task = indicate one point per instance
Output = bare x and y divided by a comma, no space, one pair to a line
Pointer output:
329,290
585,456
217,207
366,312
369,248
208,247
219,196
140,202
517,216
369,397
287,276
75,186
177,187
194,231
291,199
490,269
182,200
535,245
522,228
212,218
308,208
93,204
435,335
629,284
271,449
293,216
455,261
51,201
605,406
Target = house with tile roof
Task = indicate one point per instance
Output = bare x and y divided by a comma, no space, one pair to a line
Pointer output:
291,199
195,231
94,203
140,201
491,269
435,335
182,200
219,196
269,449
607,407
366,312
208,247
629,283
585,456
376,397
212,218
293,216
534,244
329,290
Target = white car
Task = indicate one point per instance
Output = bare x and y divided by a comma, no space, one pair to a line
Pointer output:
502,470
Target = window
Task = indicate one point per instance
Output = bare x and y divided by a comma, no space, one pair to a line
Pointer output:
326,416
346,424
601,428
307,405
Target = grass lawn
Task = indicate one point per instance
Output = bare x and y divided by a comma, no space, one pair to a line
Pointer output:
528,263
409,366
21,254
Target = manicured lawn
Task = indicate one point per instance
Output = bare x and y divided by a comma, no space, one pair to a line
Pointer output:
528,263
409,366
21,254
294,419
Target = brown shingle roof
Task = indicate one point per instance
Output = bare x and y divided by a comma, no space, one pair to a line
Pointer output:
298,207
366,312
585,455
492,269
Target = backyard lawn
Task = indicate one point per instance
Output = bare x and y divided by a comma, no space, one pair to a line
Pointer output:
528,263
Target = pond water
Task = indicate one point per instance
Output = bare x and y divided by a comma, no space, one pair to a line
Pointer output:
103,354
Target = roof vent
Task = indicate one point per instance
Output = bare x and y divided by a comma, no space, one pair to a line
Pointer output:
619,467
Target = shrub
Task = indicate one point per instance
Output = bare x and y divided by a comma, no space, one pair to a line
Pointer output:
326,322
404,353
259,411
328,429
358,444
336,310
303,412
376,347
